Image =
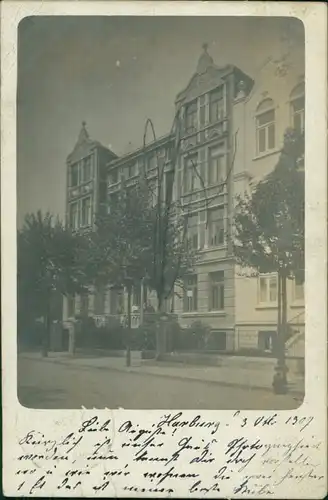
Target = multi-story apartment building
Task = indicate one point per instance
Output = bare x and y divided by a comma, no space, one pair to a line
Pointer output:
86,195
277,101
230,130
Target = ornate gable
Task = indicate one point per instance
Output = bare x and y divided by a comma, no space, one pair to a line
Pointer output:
209,76
201,83
83,147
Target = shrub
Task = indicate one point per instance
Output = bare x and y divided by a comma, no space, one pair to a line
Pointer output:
192,338
109,336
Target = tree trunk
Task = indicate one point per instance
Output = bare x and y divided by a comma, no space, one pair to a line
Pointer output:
160,329
128,338
46,333
283,320
72,338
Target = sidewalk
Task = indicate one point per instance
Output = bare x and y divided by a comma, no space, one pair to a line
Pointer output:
222,375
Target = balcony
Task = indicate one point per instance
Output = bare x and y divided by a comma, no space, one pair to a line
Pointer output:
80,190
192,137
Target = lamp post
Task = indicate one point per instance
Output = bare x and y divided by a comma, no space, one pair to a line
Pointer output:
142,300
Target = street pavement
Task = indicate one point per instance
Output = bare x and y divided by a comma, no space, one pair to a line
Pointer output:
62,384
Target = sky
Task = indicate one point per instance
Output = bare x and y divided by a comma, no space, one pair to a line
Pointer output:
114,73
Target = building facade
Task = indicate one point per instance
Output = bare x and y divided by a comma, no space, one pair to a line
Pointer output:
277,101
230,130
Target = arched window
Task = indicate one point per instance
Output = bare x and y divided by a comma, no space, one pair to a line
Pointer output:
265,126
297,104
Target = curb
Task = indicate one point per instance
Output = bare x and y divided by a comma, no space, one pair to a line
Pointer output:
296,394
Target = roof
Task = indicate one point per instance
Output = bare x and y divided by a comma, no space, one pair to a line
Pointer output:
204,61
208,76
160,141
84,146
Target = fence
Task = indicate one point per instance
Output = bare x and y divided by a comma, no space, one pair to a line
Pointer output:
110,331
104,320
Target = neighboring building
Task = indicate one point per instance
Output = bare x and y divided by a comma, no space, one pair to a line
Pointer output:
86,195
277,102
231,129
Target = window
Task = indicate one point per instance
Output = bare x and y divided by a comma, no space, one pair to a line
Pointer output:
265,126
99,301
190,293
152,161
136,298
74,175
297,102
190,176
202,115
202,229
267,341
169,183
216,295
197,230
71,306
132,169
86,211
113,200
193,231
191,117
299,288
116,301
84,307
73,216
216,105
216,227
216,170
113,176
268,289
86,169
153,191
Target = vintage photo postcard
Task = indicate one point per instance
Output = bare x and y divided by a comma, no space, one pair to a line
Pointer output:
164,249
